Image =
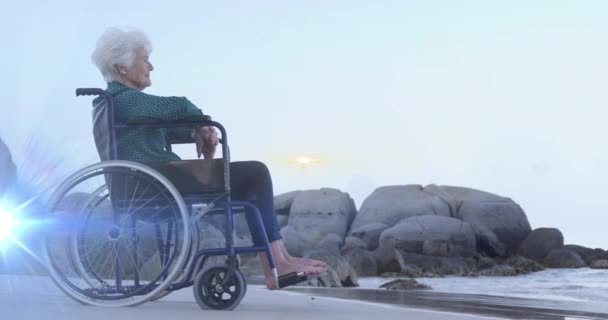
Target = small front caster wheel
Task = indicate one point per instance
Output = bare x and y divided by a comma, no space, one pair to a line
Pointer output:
212,293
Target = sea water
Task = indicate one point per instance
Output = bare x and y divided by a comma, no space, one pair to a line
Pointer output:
582,284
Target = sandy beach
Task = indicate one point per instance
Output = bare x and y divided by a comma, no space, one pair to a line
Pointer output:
36,297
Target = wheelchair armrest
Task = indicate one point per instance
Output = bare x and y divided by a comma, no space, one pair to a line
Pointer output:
188,120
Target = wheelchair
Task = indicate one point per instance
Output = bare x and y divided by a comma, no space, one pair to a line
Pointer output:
124,233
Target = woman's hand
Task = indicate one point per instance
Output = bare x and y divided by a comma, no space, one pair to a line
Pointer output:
206,141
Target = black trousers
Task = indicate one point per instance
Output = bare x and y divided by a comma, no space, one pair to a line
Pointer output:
250,181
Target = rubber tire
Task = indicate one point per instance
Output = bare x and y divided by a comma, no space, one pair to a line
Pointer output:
205,294
181,260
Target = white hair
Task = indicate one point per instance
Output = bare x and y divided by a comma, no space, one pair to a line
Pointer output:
117,47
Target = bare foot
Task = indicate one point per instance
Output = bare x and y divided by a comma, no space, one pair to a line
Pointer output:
296,260
286,267
307,262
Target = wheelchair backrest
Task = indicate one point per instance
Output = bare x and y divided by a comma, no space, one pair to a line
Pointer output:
102,132
103,125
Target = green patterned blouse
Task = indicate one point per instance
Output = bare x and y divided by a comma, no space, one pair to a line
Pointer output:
148,144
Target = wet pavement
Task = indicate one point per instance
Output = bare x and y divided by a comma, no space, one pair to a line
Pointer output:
482,305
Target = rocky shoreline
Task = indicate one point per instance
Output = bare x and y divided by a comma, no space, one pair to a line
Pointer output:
402,231
414,231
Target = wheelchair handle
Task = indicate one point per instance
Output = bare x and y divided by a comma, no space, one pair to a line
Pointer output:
90,92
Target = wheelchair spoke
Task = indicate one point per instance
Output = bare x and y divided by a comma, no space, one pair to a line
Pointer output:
144,204
134,193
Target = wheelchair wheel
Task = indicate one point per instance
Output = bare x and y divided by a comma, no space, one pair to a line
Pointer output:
118,234
211,294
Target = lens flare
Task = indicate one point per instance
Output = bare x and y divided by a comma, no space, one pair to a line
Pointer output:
10,223
7,224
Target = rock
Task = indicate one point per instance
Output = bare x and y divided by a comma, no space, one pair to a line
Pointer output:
410,235
562,258
328,279
499,270
211,237
344,271
316,213
389,260
8,171
291,240
487,242
253,271
352,280
353,242
598,255
282,206
505,218
472,262
409,271
485,263
241,227
436,265
523,265
369,234
599,264
441,248
540,242
583,252
362,261
332,243
404,284
283,202
283,220
391,204
452,203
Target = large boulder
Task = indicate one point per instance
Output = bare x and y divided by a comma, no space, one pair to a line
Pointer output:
583,252
540,242
362,261
599,264
599,255
351,242
562,258
8,171
314,214
391,204
505,218
431,235
282,206
331,243
389,260
369,234
283,202
487,242
452,202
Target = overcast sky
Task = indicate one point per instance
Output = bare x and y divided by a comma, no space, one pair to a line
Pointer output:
503,96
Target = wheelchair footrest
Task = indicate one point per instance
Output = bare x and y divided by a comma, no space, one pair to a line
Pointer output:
291,279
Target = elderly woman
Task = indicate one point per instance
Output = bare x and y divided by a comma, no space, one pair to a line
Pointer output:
123,57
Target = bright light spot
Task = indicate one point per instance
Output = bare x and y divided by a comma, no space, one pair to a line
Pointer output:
6,225
305,160
10,224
